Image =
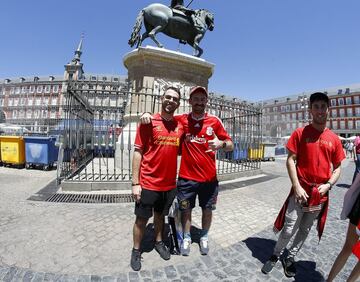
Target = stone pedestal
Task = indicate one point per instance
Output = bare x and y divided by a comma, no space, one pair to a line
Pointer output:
150,70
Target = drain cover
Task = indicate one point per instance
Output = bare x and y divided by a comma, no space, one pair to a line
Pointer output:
91,198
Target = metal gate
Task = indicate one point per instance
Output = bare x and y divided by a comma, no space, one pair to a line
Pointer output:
99,127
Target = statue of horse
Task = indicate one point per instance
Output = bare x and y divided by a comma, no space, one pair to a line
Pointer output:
187,28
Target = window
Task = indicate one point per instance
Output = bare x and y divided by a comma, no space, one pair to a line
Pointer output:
350,124
357,112
287,116
28,114
283,108
293,107
348,101
349,112
12,90
22,101
30,101
275,109
39,89
341,101
52,114
116,79
334,113
55,88
37,114
17,90
16,102
32,89
341,112
334,124
288,108
293,116
47,88
93,78
300,116
356,99
333,102
24,89
1,102
44,113
357,122
342,124
11,101
14,114
38,101
54,101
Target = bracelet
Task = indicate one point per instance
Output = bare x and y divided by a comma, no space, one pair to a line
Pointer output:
135,184
331,185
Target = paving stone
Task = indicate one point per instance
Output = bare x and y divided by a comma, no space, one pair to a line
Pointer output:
38,277
10,274
170,272
84,278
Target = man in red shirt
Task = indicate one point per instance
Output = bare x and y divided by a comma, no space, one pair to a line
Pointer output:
154,173
204,135
313,164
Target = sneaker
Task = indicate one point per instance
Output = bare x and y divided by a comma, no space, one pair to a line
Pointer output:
289,266
204,246
185,247
269,265
135,260
163,250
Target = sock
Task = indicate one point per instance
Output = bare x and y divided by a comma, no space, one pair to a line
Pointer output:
204,233
187,235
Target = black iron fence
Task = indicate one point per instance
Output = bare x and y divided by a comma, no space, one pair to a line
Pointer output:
99,128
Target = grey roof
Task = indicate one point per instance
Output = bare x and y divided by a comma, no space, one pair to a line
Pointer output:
60,78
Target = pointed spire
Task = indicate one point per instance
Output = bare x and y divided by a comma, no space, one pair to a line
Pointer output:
78,52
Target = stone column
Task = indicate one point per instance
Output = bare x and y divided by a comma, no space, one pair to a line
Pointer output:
148,66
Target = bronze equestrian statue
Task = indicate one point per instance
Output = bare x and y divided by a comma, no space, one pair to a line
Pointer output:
184,24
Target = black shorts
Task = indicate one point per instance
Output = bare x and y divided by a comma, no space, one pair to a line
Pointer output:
154,200
354,215
206,191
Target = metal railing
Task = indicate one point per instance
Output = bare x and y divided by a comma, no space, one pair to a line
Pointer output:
98,147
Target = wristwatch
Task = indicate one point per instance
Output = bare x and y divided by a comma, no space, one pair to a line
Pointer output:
224,145
135,184
331,185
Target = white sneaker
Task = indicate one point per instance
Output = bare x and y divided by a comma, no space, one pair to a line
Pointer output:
204,246
185,247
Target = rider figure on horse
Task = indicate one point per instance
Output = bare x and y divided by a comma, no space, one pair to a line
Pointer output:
179,5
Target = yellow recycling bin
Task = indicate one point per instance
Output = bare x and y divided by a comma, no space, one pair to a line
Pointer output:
12,150
256,153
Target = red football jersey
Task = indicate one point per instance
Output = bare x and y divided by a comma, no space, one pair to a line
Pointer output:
159,142
197,161
315,153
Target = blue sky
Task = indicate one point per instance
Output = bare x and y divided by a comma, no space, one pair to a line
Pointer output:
261,48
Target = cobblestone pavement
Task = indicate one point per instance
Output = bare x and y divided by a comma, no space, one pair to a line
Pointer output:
42,241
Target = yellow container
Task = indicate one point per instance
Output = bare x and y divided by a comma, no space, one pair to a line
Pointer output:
12,150
256,153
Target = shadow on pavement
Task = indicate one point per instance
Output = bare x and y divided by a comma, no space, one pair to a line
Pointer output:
306,271
343,185
261,248
147,244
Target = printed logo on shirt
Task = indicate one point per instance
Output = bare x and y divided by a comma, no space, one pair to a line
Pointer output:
158,128
209,131
195,139
168,140
197,125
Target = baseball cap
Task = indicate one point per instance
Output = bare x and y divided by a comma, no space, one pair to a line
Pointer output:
198,89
